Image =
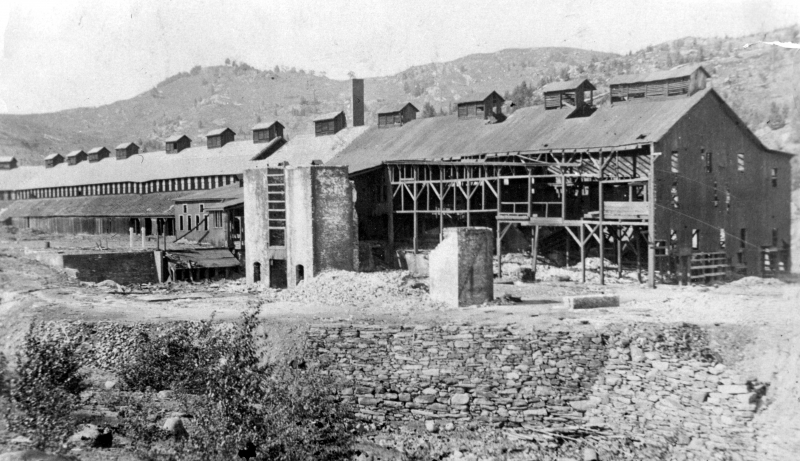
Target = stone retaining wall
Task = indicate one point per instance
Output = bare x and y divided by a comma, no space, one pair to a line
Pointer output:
651,384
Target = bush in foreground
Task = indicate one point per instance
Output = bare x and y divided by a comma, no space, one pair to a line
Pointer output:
45,391
235,397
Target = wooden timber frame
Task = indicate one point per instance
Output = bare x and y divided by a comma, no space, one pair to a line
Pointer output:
478,185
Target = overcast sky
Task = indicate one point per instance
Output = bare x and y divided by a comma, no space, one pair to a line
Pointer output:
71,53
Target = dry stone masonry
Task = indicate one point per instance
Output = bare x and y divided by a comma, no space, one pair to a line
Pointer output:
657,385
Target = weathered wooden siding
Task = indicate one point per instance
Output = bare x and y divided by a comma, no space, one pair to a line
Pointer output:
754,205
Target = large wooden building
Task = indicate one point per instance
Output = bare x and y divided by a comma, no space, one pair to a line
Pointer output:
669,178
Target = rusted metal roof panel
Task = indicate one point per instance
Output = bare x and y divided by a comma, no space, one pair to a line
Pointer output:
527,129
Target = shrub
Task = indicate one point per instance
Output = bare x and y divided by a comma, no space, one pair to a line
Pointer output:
235,397
45,392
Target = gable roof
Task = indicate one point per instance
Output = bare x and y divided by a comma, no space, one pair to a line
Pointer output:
177,137
396,108
527,129
74,153
476,97
676,72
125,145
96,150
328,116
7,158
266,125
219,131
569,85
52,156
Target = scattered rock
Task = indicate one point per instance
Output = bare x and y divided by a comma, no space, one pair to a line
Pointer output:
110,384
431,426
174,426
86,436
165,394
589,454
20,440
637,355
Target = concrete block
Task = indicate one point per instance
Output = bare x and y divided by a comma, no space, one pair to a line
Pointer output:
590,301
461,267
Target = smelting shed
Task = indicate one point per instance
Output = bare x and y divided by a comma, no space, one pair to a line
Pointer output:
130,192
672,181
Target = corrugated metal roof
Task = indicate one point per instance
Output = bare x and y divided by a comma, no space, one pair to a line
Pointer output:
395,108
676,72
52,156
527,129
176,138
266,125
218,131
125,145
569,85
232,158
303,149
328,116
149,205
96,150
220,193
75,153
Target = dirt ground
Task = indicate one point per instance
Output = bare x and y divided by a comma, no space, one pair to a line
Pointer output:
753,322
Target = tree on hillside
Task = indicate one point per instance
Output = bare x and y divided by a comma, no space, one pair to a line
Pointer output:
195,70
428,110
351,75
277,69
777,116
522,95
227,61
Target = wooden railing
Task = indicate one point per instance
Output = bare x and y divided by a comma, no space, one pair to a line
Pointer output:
626,211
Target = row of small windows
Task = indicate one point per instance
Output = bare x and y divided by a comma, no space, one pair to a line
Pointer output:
709,164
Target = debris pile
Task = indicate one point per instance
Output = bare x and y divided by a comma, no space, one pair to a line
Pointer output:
361,289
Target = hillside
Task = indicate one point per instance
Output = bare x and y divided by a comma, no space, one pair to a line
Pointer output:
757,81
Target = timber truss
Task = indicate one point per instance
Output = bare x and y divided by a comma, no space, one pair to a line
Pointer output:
585,192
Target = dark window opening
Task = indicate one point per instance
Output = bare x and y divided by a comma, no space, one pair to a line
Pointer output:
727,199
185,209
256,272
709,162
740,162
278,273
674,192
299,273
774,177
202,208
716,199
180,222
774,237
742,238
722,238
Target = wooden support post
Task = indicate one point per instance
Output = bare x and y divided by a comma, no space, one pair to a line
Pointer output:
535,248
499,249
638,255
143,230
619,251
563,197
651,221
567,249
583,253
416,220
601,232
130,229
441,213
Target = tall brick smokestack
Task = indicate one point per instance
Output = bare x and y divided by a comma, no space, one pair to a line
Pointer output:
358,102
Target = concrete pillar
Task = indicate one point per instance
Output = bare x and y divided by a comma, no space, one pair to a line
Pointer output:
130,230
461,267
143,231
